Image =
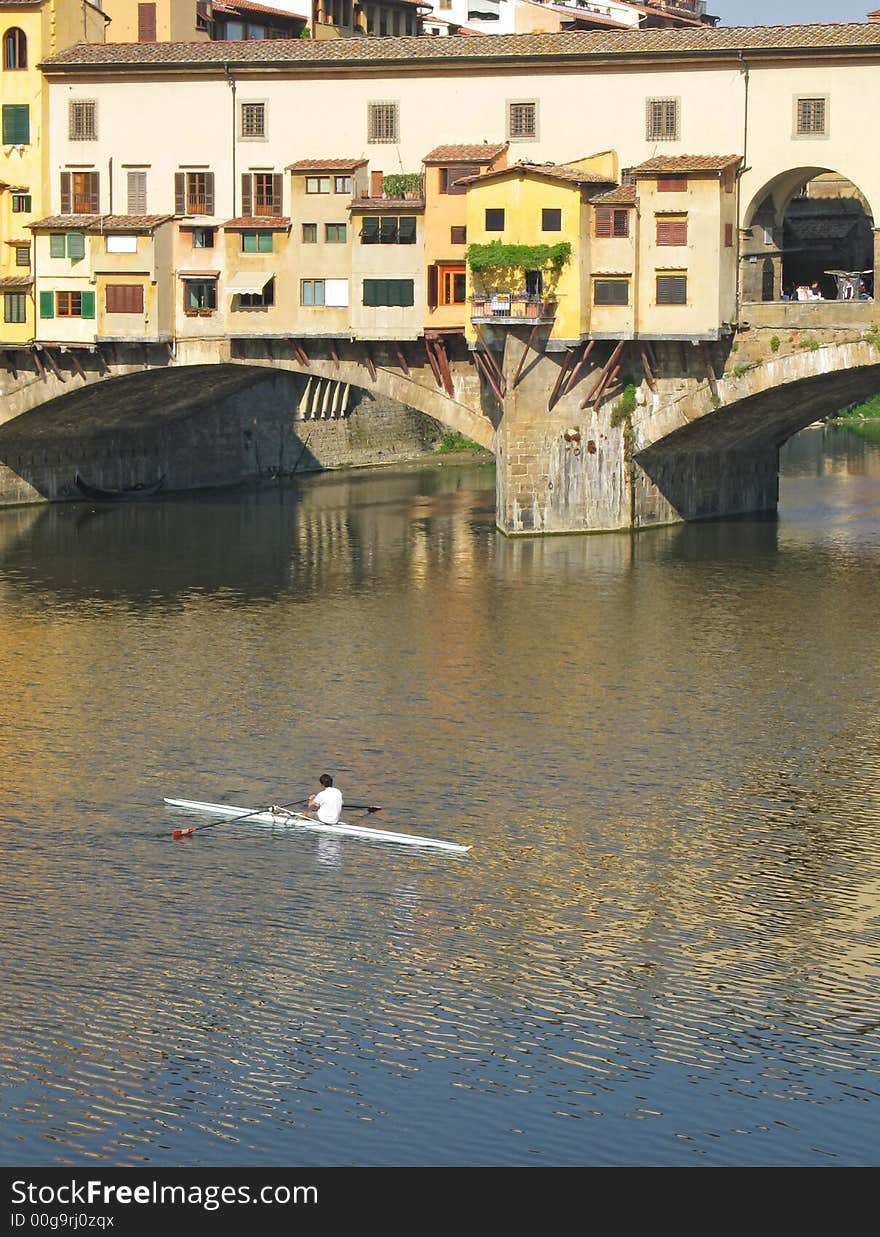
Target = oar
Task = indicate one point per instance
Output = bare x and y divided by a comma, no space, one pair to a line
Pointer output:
228,820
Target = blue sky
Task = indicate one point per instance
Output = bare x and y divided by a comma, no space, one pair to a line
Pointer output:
788,12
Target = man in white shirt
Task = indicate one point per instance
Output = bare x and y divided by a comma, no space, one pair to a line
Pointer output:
327,802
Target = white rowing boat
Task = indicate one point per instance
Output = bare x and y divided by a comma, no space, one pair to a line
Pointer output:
280,818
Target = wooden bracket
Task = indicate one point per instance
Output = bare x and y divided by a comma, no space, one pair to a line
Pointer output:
485,370
595,394
369,362
9,363
710,369
646,366
402,359
53,365
575,373
443,364
75,361
522,360
432,360
334,354
41,368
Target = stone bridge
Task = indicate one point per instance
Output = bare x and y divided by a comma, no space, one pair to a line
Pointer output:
599,437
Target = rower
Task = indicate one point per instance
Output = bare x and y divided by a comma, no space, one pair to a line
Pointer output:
327,802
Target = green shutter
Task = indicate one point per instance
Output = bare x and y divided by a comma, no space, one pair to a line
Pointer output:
16,124
87,302
76,245
248,242
56,244
47,304
264,242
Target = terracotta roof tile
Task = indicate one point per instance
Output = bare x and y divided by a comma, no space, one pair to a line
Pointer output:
555,171
325,165
623,195
258,221
686,163
400,206
100,223
16,281
482,152
576,46
247,6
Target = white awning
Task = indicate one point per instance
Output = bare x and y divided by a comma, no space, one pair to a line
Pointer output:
240,284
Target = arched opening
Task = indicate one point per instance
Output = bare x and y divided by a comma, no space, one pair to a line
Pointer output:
14,49
810,237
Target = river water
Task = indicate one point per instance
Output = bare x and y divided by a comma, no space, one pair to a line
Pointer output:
662,949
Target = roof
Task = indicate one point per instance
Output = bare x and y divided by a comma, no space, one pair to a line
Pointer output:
623,195
325,165
100,223
576,46
10,282
236,6
482,152
265,222
554,171
400,206
685,163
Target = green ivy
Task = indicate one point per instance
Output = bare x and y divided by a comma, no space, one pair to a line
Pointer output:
397,184
522,257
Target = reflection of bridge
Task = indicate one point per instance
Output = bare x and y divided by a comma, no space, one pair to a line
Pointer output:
700,439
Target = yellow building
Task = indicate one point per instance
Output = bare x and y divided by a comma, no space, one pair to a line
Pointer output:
446,226
613,240
537,215
197,21
30,31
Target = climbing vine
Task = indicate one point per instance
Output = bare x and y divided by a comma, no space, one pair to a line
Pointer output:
496,254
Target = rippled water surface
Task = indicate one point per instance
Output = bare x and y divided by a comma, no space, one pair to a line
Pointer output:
663,947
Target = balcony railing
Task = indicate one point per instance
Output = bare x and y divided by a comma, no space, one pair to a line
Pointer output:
512,307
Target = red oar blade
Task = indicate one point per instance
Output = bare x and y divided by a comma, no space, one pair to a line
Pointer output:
183,833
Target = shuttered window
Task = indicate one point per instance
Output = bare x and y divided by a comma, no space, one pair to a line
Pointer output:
194,193
23,255
669,183
261,193
57,245
672,289
21,203
383,122
76,246
672,231
73,305
452,284
388,292
125,298
80,193
449,178
14,307
146,23
662,120
16,124
137,193
82,120
610,291
611,222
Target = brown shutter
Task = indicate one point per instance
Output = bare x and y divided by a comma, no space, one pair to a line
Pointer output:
209,193
603,220
728,235
146,23
433,286
672,231
65,193
180,193
93,193
247,194
277,193
375,184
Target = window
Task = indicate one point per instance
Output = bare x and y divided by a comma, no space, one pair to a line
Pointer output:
672,289
551,219
82,121
317,184
457,235
136,184
124,298
67,245
342,184
610,291
669,183
57,245
256,242
388,230
311,291
265,194
522,122
203,238
16,124
23,255
450,177
14,57
253,120
194,193
387,292
14,307
74,304
119,243
199,295
494,219
336,233
672,230
662,120
383,122
258,300
146,23
451,284
21,203
309,233
79,193
811,117
610,221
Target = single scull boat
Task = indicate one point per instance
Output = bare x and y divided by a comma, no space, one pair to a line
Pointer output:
281,818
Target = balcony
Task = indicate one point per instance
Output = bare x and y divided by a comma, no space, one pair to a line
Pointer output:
501,308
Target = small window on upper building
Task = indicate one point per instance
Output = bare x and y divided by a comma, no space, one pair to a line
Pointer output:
611,221
14,49
610,291
136,185
811,116
551,219
146,23
253,120
672,230
663,120
342,184
457,235
672,289
494,219
82,120
317,184
522,121
383,122
21,203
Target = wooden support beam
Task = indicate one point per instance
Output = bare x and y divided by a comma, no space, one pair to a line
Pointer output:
494,368
77,365
435,368
486,372
402,359
608,384
651,355
9,363
334,354
296,348
443,363
575,373
102,361
369,362
710,369
41,368
522,360
53,365
646,366
560,377
596,393
169,348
